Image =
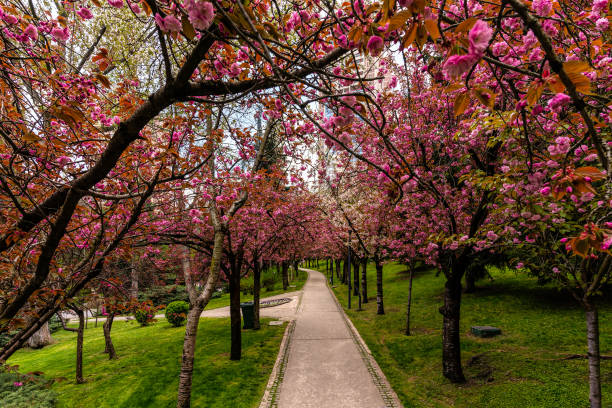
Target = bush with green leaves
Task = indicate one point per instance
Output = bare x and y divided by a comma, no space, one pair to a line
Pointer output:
144,313
25,391
176,313
54,324
162,295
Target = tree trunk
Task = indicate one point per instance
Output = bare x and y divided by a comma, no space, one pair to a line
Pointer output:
256,292
451,346
235,321
134,282
197,303
592,321
108,342
79,348
189,343
355,262
380,307
338,264
285,271
364,280
345,270
21,338
41,338
409,299
296,268
470,283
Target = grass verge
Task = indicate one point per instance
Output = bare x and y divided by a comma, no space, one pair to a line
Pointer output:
146,373
524,367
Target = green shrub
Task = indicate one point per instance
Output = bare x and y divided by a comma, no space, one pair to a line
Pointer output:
176,313
144,313
246,286
268,283
162,295
6,337
54,324
25,391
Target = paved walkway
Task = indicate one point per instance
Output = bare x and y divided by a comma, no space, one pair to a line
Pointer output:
325,365
286,311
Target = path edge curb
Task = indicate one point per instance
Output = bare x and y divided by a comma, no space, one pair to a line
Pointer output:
378,377
269,399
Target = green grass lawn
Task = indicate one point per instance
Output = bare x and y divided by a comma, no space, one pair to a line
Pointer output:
146,373
521,368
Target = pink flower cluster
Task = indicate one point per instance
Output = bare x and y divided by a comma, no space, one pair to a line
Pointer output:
168,24
542,7
200,13
479,38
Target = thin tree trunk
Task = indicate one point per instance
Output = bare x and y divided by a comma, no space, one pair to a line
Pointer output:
79,348
235,321
364,280
451,346
338,264
108,342
409,299
296,268
189,343
592,321
380,307
470,283
197,303
256,292
134,281
355,262
285,271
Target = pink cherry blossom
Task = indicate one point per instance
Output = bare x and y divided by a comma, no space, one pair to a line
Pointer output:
116,3
456,65
32,32
542,7
479,37
559,101
85,13
602,24
168,23
235,70
375,45
200,13
60,34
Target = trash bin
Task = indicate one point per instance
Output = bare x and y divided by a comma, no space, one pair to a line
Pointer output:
248,315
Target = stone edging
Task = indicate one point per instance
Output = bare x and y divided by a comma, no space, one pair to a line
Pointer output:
378,377
269,399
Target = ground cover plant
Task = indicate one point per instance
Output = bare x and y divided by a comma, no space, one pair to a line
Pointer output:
526,366
145,375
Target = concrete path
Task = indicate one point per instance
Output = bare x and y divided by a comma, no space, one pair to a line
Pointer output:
324,365
286,311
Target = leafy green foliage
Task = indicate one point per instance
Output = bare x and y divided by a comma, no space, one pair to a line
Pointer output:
24,391
144,313
176,313
162,295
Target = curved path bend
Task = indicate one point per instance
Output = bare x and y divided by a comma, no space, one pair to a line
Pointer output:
323,361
